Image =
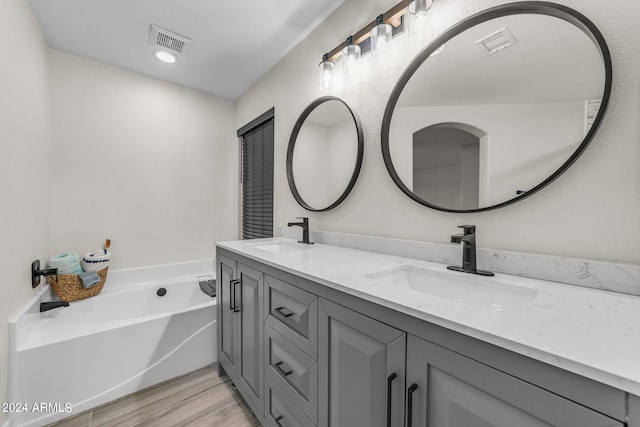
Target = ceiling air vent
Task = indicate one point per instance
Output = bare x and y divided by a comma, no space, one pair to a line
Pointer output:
500,40
168,40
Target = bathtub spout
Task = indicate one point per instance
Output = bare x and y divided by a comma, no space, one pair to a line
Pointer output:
45,306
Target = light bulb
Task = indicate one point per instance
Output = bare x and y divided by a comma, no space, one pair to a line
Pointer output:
420,7
381,35
350,56
419,23
326,77
165,56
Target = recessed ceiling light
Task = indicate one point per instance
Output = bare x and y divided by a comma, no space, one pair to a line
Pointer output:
165,56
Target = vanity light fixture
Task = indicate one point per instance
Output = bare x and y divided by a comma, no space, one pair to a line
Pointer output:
376,34
420,24
350,56
381,35
326,66
419,8
164,56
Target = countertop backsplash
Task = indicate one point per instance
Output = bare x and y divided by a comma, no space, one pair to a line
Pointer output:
622,278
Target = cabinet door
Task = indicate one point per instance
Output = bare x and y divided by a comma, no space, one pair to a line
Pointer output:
251,334
634,411
361,367
446,389
227,318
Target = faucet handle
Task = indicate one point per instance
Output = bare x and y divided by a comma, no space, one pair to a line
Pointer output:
468,229
36,272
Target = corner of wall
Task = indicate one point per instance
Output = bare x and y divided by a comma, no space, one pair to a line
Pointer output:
25,171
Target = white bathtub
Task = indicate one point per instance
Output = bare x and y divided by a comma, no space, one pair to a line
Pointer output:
102,348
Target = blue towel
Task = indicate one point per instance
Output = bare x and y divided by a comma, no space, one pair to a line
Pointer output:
89,279
66,263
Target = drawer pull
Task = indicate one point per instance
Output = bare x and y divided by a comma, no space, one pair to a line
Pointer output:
392,377
278,420
282,311
412,388
282,371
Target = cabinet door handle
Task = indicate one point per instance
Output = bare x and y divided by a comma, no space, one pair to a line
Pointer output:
412,388
278,420
284,312
282,371
392,377
236,307
232,294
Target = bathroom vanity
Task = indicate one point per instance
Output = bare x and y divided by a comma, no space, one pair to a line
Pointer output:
325,335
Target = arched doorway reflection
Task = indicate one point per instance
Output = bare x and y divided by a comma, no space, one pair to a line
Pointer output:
449,165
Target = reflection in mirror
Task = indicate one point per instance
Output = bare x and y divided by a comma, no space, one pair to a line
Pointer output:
499,113
325,154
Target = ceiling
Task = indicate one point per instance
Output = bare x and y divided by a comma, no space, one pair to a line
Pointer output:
559,64
233,43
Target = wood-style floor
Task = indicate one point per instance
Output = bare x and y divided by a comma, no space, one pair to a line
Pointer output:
198,399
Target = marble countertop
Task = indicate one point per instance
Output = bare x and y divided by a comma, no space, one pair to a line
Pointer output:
589,332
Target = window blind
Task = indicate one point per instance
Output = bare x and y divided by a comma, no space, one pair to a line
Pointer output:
257,180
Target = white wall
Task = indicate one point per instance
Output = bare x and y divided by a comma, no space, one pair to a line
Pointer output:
590,212
25,169
148,164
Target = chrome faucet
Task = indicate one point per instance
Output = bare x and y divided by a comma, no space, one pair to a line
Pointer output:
305,229
468,241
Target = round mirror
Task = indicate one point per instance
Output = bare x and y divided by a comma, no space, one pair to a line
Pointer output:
497,107
324,154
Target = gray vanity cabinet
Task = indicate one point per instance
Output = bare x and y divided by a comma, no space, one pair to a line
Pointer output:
301,359
361,366
447,389
241,330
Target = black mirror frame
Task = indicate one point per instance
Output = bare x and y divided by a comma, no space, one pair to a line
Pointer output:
535,7
291,147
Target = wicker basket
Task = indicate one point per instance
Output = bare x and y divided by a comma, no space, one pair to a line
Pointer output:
69,286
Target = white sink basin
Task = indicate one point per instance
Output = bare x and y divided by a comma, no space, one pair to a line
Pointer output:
484,292
279,247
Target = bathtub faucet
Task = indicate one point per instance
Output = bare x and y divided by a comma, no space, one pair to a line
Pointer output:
49,305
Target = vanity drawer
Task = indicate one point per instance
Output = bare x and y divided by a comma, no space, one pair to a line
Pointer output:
293,370
280,411
292,312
